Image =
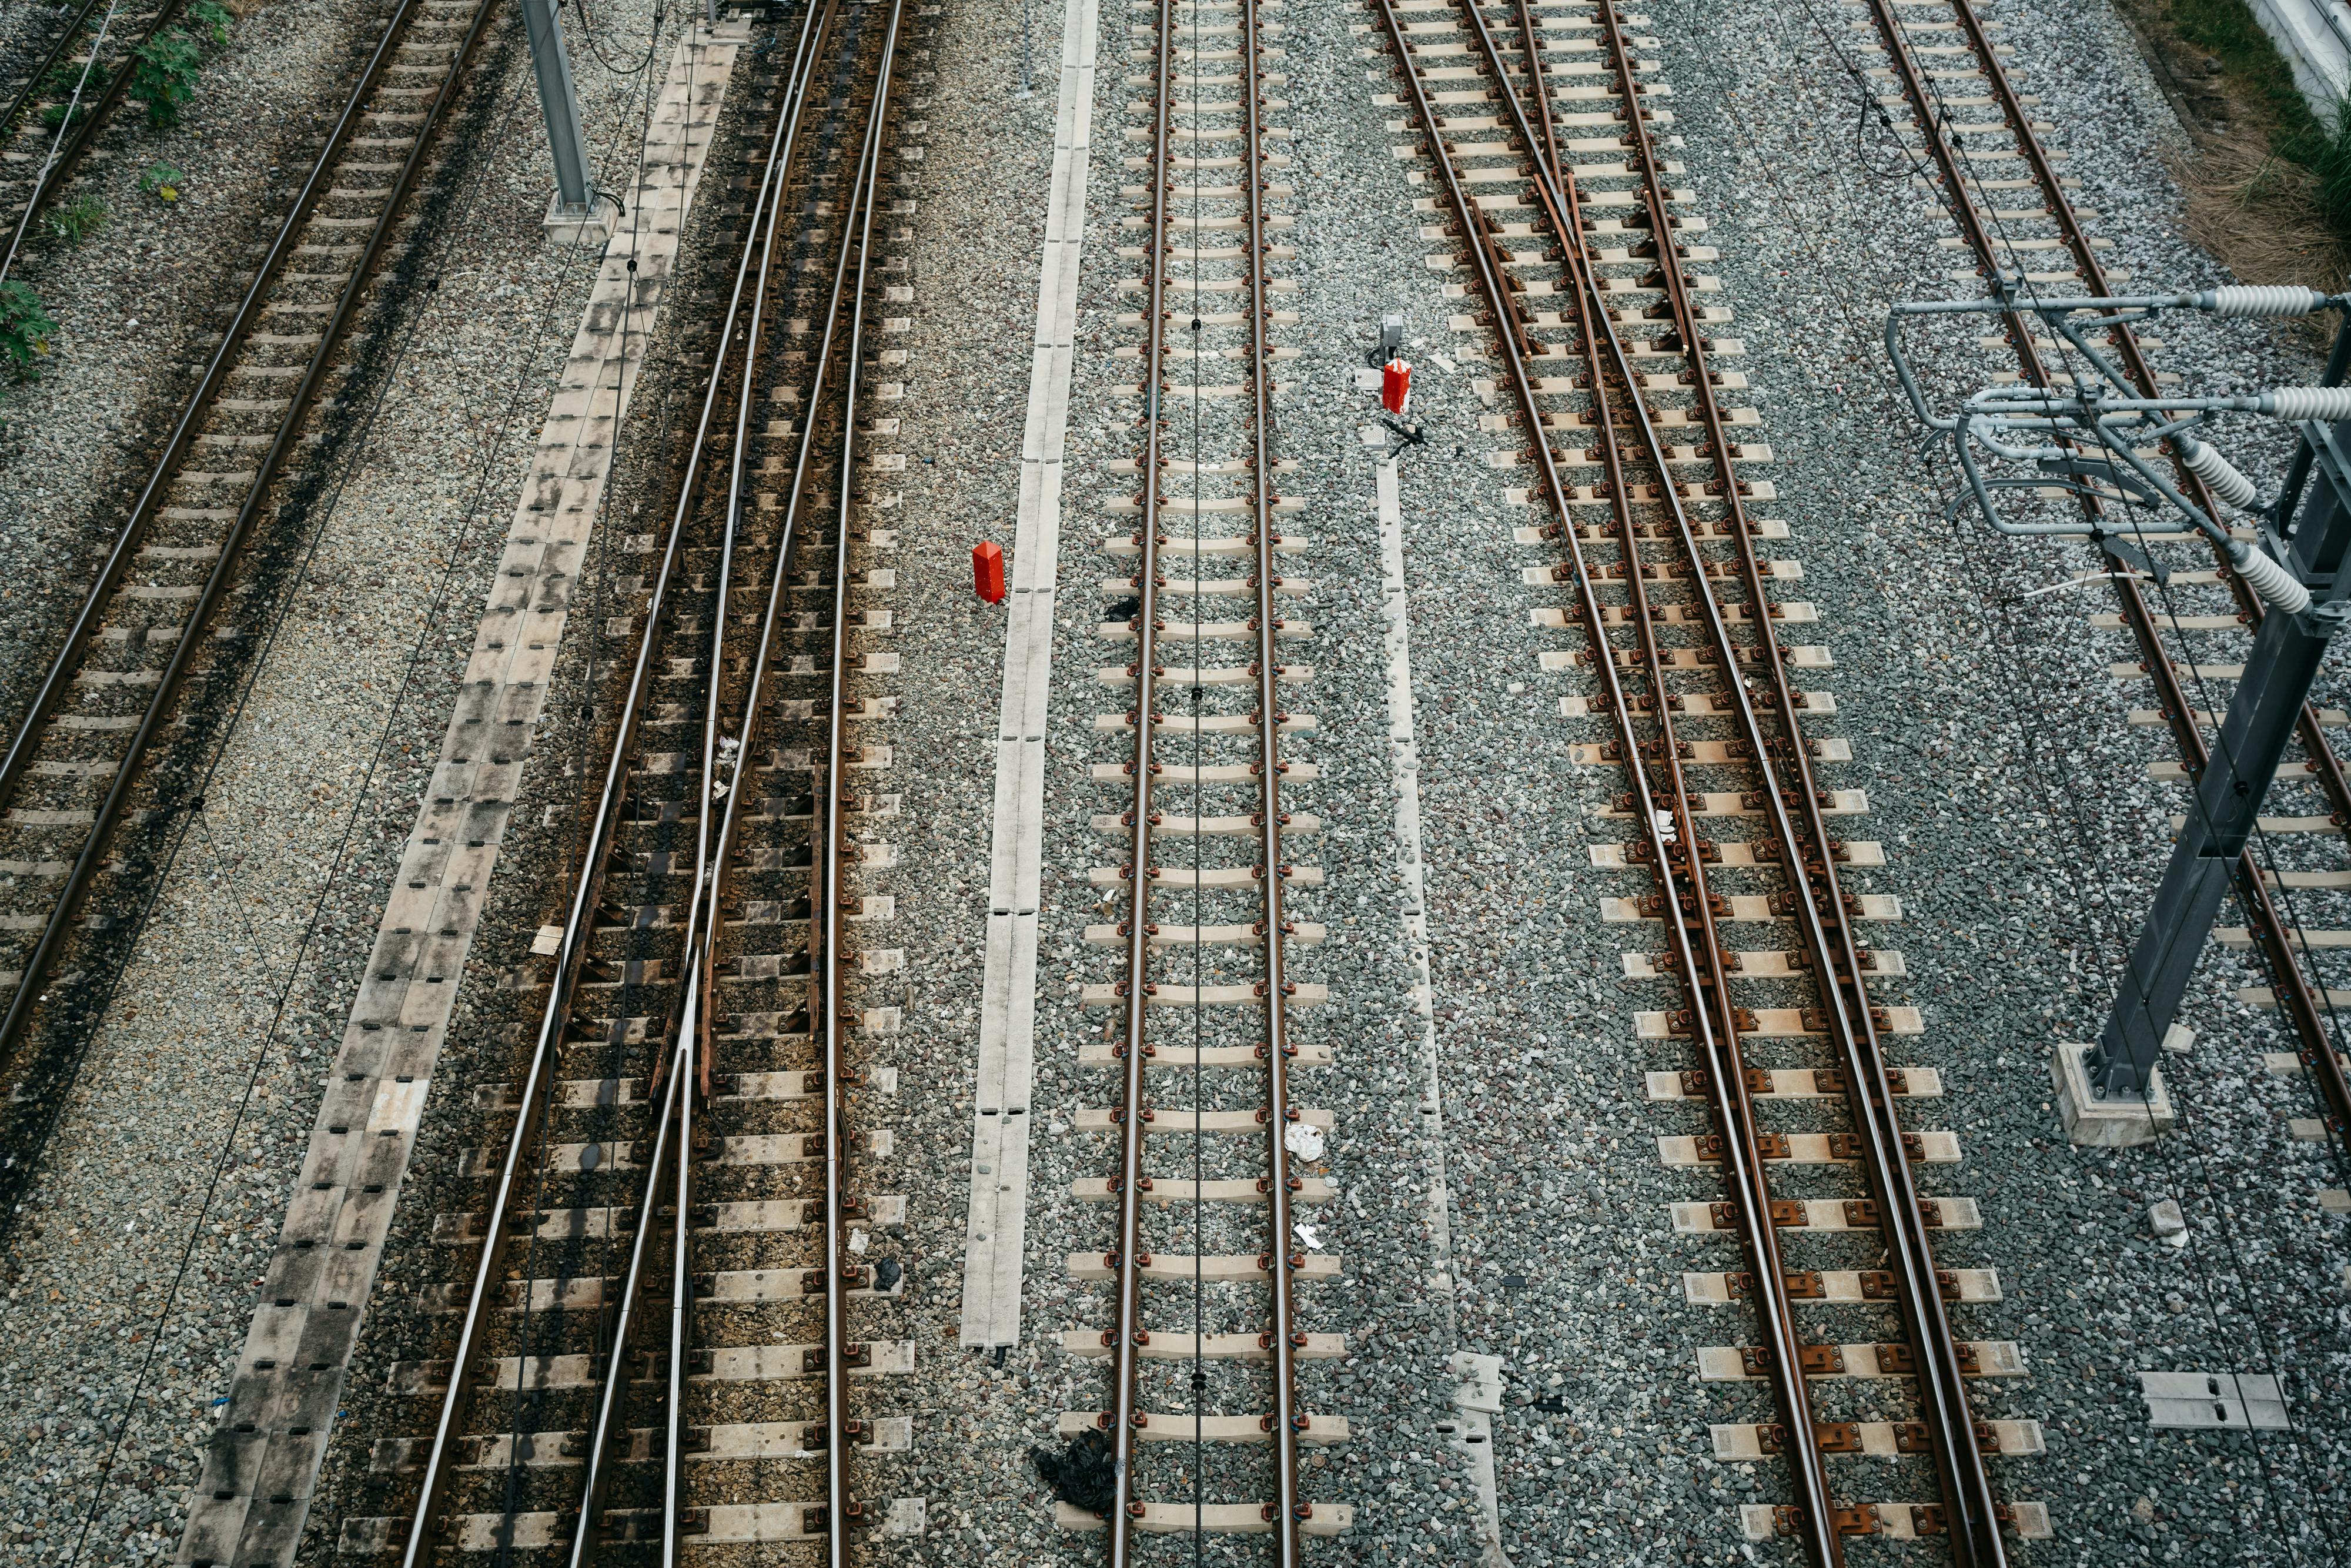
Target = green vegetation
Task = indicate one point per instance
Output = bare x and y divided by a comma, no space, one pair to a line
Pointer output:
76,220
212,23
2329,159
164,72
60,88
24,330
163,181
2225,29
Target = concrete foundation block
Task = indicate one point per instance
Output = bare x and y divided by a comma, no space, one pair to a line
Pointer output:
2111,1124
586,227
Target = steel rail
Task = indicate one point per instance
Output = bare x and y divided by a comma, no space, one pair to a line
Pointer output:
1539,89
133,534
1708,981
687,1071
1129,1336
1811,874
1972,1515
670,1171
56,167
1744,1172
2297,998
56,51
571,951
87,862
1280,1259
826,914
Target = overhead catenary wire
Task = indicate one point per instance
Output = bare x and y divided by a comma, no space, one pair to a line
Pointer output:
65,126
1199,1381
1981,199
2264,573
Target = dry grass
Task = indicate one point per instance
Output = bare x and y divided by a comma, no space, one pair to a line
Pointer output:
2263,179
2258,213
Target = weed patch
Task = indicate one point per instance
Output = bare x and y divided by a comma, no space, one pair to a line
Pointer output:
75,221
2267,181
164,73
165,69
60,89
24,330
212,23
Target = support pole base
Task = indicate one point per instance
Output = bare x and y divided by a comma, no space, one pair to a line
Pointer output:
583,224
2117,1123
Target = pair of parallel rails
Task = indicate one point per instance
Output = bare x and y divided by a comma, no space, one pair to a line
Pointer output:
105,764
678,1246
1984,165
1208,467
1546,154
61,95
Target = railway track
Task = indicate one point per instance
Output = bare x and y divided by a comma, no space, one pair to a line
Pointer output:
83,75
1543,126
683,1266
102,768
1201,897
2004,191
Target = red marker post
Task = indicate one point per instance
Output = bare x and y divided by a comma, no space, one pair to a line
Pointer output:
988,571
1395,386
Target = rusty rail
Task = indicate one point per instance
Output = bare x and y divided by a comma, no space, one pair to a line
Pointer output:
1288,1513
716,485
35,1088
1790,801
1129,1335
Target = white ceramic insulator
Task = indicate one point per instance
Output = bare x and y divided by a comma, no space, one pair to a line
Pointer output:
2264,299
2274,584
2310,402
2218,472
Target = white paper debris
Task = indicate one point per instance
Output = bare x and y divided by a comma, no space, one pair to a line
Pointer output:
1305,1234
1303,1141
857,1242
1665,824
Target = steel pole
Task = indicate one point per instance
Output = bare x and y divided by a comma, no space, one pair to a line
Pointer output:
2262,714
574,185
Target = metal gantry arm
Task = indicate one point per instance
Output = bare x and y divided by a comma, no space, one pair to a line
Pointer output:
2091,435
2052,430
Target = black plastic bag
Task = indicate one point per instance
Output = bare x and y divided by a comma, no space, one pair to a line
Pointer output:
1082,1475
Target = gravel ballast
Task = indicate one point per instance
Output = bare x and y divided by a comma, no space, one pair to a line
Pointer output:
2011,791
132,1267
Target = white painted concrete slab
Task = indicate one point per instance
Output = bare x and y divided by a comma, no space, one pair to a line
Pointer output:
996,1227
384,1074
